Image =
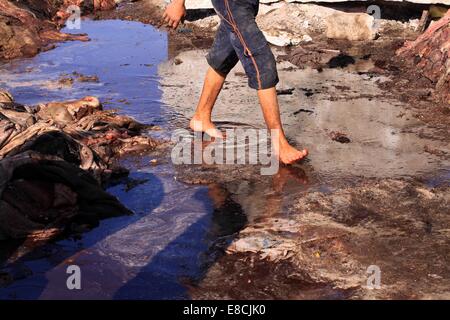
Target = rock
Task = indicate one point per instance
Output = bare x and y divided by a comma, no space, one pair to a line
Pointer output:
306,38
282,39
270,1
28,27
19,32
292,24
411,1
339,137
350,26
265,8
211,22
198,4
104,4
206,4
429,53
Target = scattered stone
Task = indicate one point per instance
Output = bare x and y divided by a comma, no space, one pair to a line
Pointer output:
66,81
350,26
339,137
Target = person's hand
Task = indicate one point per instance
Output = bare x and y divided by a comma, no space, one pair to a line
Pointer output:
175,11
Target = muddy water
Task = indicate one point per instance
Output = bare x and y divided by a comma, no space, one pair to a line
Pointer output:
386,140
173,241
384,134
292,215
153,253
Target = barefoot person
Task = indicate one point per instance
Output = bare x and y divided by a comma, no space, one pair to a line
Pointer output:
238,39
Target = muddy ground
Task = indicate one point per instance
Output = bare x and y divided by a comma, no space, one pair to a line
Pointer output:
29,27
314,229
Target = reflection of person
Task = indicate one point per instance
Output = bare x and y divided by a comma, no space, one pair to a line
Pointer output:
274,202
238,38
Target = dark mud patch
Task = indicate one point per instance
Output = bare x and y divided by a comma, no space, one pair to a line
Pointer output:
312,236
250,278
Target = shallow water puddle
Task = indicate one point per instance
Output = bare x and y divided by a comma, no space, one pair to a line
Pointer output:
384,135
146,255
170,243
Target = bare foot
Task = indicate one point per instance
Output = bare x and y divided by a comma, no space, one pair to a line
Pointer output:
288,154
198,124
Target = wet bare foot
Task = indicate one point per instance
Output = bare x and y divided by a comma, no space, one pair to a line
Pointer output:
288,154
198,124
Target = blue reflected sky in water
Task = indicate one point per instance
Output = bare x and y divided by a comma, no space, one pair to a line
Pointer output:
140,256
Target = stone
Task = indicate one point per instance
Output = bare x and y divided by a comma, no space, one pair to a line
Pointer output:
198,4
350,26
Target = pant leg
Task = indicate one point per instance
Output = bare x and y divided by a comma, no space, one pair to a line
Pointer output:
249,43
222,57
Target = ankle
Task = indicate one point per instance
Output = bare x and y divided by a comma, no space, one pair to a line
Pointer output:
283,142
201,116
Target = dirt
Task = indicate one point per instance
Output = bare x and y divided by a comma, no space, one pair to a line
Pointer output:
406,83
318,238
322,242
29,27
379,199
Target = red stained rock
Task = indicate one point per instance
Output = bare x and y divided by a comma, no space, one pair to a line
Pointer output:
30,26
430,54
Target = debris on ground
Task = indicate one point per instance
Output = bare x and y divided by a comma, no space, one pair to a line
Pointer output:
287,91
329,239
339,137
54,159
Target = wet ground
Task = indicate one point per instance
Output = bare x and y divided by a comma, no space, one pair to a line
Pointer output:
149,254
220,231
373,191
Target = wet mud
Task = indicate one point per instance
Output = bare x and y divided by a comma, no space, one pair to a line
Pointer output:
311,231
371,193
